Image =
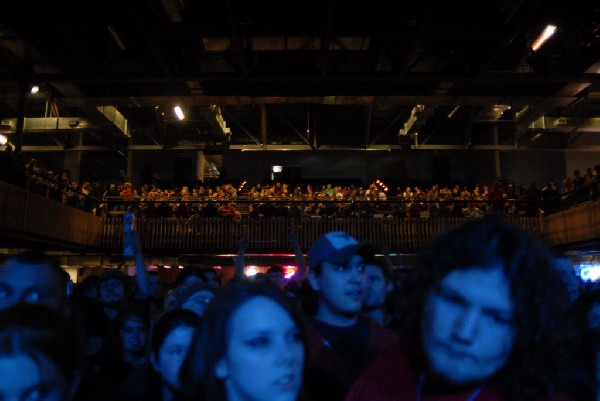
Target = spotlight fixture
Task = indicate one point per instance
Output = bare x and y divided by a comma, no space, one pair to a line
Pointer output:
544,36
178,112
35,89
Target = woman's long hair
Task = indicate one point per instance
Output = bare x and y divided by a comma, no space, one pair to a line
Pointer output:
197,376
47,337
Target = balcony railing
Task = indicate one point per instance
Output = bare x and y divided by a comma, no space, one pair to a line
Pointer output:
32,218
271,235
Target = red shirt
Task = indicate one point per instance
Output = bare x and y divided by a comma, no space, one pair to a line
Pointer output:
390,377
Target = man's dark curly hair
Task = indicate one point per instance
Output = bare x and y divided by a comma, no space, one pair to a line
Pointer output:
541,345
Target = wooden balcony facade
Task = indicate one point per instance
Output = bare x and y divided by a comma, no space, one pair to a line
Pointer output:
28,219
221,235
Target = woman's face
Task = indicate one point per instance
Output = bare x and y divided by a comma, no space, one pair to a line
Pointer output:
265,354
171,354
21,379
134,335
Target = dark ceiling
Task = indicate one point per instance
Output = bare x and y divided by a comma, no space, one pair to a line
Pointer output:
300,74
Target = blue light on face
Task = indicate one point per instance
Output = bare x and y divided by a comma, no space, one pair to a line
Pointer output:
589,272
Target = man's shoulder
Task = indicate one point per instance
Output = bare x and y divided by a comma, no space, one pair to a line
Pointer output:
390,376
380,336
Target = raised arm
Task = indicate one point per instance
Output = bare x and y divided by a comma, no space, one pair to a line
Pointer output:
132,239
300,261
240,259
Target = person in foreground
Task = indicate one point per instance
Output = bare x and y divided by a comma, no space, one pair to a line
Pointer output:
250,346
170,340
39,354
482,321
342,339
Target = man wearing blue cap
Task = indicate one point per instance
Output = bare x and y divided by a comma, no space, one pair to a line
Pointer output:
342,340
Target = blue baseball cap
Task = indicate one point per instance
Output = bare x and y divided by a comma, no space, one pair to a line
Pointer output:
335,247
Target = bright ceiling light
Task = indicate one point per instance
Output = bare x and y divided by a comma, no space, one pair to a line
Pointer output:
3,140
35,89
178,112
544,36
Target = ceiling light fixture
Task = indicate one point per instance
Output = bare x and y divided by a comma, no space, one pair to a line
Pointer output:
536,136
454,110
178,112
116,37
544,36
35,89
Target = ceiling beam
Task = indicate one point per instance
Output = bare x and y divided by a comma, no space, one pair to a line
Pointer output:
280,148
486,78
406,100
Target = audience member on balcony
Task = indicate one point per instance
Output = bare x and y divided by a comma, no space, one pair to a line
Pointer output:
550,198
342,341
40,354
472,210
533,201
578,180
418,205
209,209
32,276
72,195
589,182
595,182
513,207
182,210
484,319
110,192
230,210
93,195
230,191
566,191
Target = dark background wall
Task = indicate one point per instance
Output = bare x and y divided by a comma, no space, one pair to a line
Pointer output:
179,167
423,165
